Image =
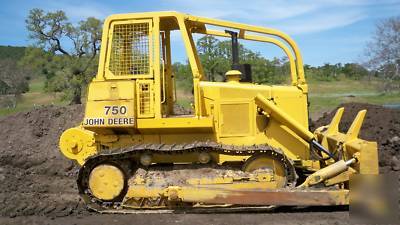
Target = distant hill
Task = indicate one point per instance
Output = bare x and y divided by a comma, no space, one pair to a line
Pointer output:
11,52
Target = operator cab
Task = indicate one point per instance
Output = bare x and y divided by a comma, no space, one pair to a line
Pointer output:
137,55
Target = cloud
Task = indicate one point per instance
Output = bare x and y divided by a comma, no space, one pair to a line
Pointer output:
320,22
293,16
358,2
225,9
79,11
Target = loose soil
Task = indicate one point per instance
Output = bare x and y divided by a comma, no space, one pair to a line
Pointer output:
380,124
35,179
37,184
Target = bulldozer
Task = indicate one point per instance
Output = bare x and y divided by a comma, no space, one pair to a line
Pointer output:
242,145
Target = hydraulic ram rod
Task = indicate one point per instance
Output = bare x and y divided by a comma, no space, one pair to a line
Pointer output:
328,172
270,108
280,115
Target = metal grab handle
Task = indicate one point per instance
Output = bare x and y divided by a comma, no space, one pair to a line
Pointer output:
163,82
174,84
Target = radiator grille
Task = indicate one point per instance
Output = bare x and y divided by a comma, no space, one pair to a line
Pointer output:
145,100
130,49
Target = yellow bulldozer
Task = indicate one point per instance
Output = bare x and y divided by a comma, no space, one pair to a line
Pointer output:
243,144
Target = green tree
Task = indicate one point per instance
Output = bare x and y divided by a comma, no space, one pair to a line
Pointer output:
183,75
12,52
13,79
215,56
207,49
65,69
354,70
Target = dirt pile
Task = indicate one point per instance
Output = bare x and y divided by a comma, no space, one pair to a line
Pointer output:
380,124
35,179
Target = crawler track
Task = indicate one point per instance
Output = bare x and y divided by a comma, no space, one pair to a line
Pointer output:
123,158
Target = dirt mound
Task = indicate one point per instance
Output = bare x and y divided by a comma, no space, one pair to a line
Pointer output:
381,124
35,179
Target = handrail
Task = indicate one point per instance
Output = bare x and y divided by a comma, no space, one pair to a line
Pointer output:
257,29
164,97
292,62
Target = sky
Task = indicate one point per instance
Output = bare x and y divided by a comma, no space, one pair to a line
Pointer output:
327,31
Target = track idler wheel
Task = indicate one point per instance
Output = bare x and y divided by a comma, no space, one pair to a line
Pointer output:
107,182
264,162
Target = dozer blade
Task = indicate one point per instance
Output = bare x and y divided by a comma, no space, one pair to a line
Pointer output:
348,144
255,197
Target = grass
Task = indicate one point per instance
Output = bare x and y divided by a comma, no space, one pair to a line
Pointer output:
36,85
36,96
326,95
184,98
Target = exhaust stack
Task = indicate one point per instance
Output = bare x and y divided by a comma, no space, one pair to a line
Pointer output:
244,69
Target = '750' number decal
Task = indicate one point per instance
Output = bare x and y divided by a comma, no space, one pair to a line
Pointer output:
115,110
